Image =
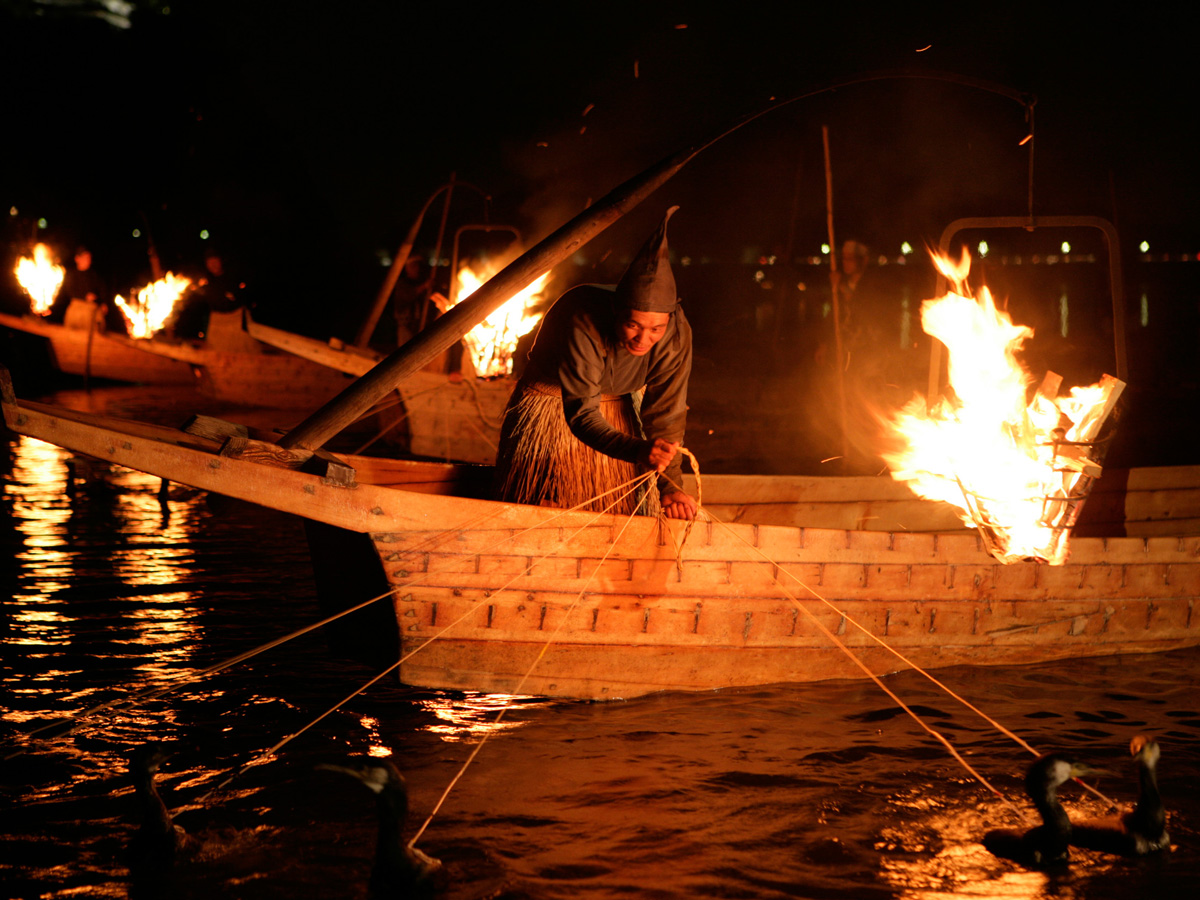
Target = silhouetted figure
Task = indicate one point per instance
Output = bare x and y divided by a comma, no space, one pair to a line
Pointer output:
213,291
82,284
411,308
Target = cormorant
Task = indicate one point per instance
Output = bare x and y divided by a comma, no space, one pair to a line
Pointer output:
399,869
157,837
1045,844
1138,831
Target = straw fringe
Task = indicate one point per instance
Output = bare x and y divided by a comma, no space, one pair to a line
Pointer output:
541,463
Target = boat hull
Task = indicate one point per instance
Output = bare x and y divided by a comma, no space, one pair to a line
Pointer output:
501,597
605,617
101,355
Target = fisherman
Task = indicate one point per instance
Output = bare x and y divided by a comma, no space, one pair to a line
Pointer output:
81,283
604,396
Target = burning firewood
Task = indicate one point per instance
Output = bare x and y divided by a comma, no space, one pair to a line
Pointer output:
1018,469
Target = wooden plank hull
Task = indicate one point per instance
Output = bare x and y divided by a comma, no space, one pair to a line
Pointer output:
608,614
109,356
455,420
500,597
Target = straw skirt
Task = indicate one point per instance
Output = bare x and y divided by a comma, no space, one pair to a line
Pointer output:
541,462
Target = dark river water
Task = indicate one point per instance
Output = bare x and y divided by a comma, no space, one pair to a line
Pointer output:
818,791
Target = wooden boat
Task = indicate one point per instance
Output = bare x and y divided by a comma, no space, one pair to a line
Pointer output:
500,597
233,368
842,582
447,419
80,346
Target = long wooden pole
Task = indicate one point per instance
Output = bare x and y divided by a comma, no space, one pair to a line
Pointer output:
372,387
835,278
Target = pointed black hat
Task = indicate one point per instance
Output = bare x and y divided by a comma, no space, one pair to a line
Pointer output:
648,284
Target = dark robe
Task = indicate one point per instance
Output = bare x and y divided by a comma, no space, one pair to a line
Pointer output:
577,348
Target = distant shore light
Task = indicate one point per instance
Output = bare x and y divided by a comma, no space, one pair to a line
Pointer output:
825,249
1066,247
905,249
204,234
1144,246
983,248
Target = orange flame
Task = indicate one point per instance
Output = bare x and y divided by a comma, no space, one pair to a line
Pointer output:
1016,468
154,305
493,341
41,278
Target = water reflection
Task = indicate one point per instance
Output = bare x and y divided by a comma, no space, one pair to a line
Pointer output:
474,716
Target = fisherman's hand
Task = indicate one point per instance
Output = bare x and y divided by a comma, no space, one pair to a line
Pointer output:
678,505
659,455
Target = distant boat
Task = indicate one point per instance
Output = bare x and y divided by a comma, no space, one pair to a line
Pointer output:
80,346
234,368
447,419
493,596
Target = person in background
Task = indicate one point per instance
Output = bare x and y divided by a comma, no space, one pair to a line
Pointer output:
213,290
80,283
410,299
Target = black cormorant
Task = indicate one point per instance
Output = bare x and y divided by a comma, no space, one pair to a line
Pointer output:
1136,832
1045,844
399,869
158,838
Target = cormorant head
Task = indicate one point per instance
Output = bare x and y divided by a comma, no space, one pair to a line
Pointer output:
376,773
1049,772
148,758
1144,750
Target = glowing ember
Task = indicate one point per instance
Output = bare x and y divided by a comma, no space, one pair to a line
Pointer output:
1018,469
40,278
154,305
493,341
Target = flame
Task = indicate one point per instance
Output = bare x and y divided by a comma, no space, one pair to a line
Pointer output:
41,278
1016,468
154,305
493,341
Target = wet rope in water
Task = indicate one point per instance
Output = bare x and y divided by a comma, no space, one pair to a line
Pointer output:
151,693
529,672
622,491
857,662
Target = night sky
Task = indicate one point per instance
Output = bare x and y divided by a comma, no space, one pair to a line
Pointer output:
305,136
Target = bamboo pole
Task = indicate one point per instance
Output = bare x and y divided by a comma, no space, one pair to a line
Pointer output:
835,279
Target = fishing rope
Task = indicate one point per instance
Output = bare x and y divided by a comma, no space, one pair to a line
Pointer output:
626,489
871,675
529,672
855,660
179,681
383,432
